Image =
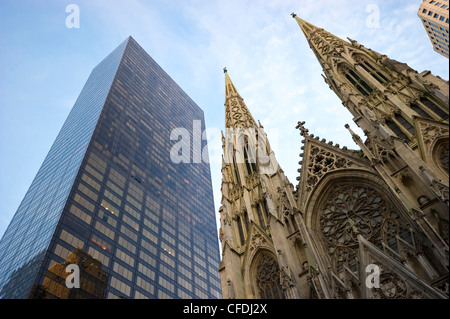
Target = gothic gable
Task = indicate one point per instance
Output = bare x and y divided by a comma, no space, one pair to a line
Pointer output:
320,158
257,240
428,133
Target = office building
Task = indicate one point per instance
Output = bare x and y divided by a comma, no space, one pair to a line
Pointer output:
435,19
108,191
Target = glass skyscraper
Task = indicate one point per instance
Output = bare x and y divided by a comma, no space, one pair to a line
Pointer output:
108,198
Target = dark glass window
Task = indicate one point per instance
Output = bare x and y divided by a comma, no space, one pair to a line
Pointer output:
435,108
405,123
361,85
367,65
420,111
260,216
397,131
241,231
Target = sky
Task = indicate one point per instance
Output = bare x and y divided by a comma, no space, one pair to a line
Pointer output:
44,65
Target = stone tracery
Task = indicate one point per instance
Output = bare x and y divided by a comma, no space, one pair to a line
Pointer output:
268,278
350,210
323,161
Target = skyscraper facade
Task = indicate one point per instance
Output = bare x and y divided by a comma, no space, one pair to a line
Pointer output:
435,19
109,199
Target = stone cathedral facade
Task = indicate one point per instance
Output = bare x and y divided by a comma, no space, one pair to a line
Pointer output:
369,223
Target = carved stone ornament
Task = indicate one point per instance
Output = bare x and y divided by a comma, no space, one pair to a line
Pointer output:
256,241
431,132
391,287
283,202
322,161
442,191
444,230
345,256
286,280
415,295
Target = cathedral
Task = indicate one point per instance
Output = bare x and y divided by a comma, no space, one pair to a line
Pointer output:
360,224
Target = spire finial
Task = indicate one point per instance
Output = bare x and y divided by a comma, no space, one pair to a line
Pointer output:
225,70
293,15
303,130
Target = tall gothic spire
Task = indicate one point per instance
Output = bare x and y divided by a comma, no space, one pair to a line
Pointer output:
374,88
392,104
236,112
324,44
335,56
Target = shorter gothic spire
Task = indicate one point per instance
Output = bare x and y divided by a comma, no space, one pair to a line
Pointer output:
230,89
236,112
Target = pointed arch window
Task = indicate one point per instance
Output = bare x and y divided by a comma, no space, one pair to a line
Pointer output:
359,83
268,278
396,129
235,169
249,158
369,68
294,223
434,107
400,127
246,221
242,224
416,108
261,217
241,231
266,207
405,123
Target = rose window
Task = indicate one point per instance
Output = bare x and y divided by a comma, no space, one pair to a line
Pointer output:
349,211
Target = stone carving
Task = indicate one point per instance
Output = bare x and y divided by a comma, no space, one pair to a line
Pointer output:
256,241
345,256
322,161
391,286
443,230
430,132
442,191
283,202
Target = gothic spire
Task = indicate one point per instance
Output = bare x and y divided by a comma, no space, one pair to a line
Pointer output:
324,44
236,112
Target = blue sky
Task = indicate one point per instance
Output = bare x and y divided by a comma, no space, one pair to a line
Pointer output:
44,65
